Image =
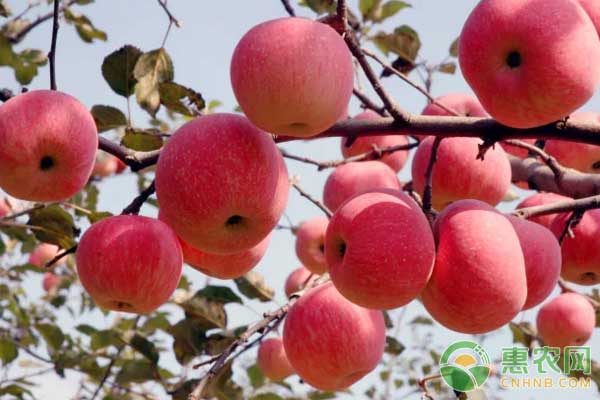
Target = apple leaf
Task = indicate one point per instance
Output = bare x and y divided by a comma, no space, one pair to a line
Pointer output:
218,342
391,8
404,42
52,334
8,351
255,375
181,99
117,69
183,391
108,117
152,69
142,345
454,48
220,294
189,340
393,346
222,386
104,338
54,225
142,139
84,27
421,320
209,314
319,6
253,286
318,395
523,332
136,371
267,396
447,68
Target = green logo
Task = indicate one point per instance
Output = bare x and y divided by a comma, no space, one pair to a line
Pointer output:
465,366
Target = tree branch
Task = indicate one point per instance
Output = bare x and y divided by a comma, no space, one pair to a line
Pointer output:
52,53
18,36
316,202
366,102
288,7
137,203
427,191
583,204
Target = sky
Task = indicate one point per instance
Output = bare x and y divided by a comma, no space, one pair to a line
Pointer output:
201,50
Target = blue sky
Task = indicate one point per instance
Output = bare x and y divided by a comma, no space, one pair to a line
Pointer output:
201,51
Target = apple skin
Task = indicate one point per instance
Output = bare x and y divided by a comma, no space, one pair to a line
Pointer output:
567,320
457,174
43,253
298,280
5,208
310,244
224,266
542,254
121,166
581,254
539,199
50,282
355,178
478,282
292,76
272,360
221,183
49,142
364,144
465,105
380,250
523,50
129,263
592,8
105,165
331,342
580,156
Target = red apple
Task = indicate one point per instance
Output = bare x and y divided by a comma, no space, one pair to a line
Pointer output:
121,166
567,320
364,144
49,142
292,76
129,263
539,199
380,250
50,282
105,165
272,360
478,282
580,156
465,105
580,254
221,183
5,208
298,280
224,266
42,254
542,259
530,62
458,174
351,179
310,244
331,342
592,8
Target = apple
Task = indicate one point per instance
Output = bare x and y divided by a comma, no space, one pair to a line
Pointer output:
592,8
42,254
224,266
330,342
351,179
542,256
49,142
567,320
580,156
292,76
5,208
580,254
465,105
310,244
380,249
298,280
272,360
364,144
105,165
129,263
458,174
530,62
121,166
539,199
221,183
50,282
479,281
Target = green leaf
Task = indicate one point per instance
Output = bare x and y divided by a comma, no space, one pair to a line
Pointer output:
8,351
447,68
180,99
183,391
366,7
152,69
57,226
189,340
108,117
391,8
218,342
222,386
422,320
96,216
454,48
16,391
24,72
220,294
318,395
393,346
143,346
7,55
255,375
252,285
34,56
52,335
117,69
267,396
319,6
136,371
104,338
142,140
86,329
388,321
209,314
84,27
523,332
404,42
157,321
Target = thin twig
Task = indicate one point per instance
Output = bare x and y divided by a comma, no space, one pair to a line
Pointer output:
586,203
368,103
137,203
52,53
288,7
428,190
423,384
570,224
23,212
17,36
316,202
60,255
558,170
